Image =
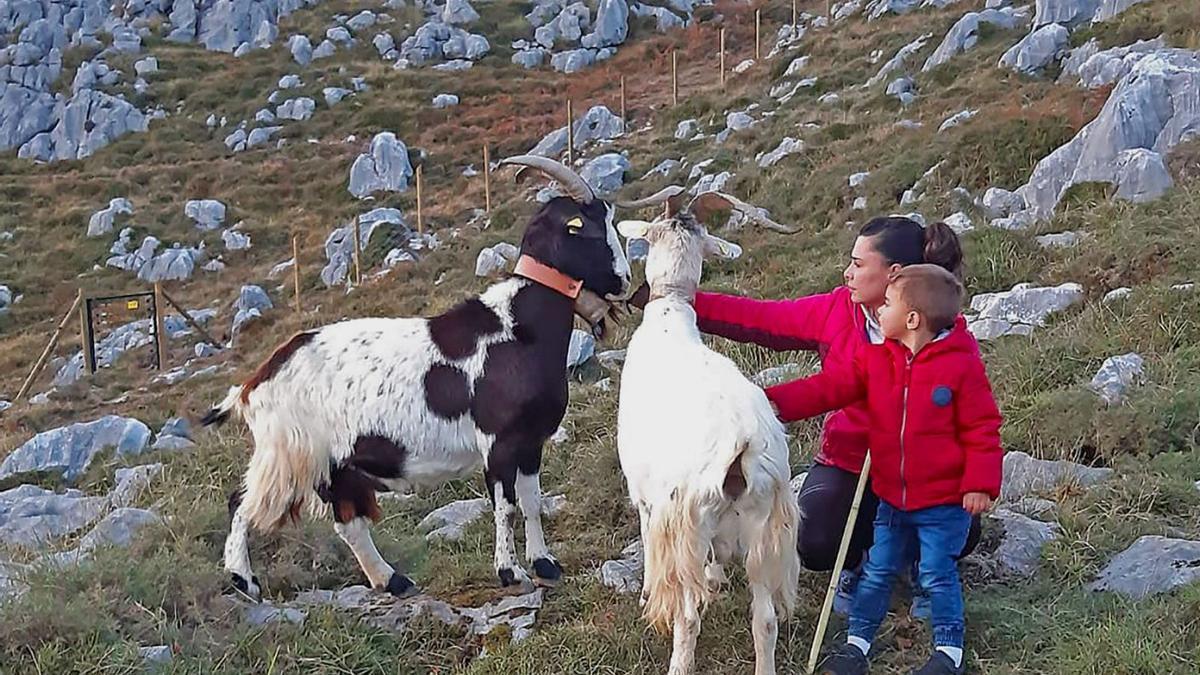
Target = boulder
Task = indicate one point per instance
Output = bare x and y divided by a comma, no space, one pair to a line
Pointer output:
624,575
1019,311
1021,547
252,302
459,12
298,109
788,146
301,49
69,450
208,214
31,517
1116,376
1025,476
1037,50
384,167
606,173
102,221
964,34
1150,111
1151,565
580,349
115,529
957,119
598,123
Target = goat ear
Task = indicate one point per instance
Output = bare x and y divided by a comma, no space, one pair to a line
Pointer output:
634,229
719,248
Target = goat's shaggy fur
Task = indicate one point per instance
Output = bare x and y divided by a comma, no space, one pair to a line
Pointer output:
704,456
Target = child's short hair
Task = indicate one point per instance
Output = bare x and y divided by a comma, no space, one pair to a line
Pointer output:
932,291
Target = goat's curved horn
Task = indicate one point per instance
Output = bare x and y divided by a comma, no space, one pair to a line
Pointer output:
662,196
707,202
571,182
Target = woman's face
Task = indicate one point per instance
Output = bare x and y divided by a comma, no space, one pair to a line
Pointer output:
867,274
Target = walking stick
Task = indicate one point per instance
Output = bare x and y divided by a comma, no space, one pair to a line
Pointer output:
839,563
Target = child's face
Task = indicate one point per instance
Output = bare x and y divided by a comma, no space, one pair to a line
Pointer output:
896,317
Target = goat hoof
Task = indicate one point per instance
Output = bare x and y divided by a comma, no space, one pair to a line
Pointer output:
252,589
548,571
401,586
507,576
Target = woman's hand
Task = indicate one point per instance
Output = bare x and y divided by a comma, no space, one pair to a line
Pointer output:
976,503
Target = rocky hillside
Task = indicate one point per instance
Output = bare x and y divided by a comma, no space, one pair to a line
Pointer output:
230,148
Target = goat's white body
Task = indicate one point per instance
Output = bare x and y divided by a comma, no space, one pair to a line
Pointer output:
687,415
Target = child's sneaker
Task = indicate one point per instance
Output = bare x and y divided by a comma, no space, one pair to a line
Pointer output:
847,660
843,600
940,664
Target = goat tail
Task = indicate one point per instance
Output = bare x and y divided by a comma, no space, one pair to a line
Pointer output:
771,556
219,414
675,553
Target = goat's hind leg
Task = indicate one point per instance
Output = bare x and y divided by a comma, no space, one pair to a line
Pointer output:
352,495
237,553
765,627
382,576
686,631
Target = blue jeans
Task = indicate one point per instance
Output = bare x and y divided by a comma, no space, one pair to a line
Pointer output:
939,533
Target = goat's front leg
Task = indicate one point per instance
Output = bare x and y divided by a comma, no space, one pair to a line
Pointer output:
529,493
237,554
501,477
686,630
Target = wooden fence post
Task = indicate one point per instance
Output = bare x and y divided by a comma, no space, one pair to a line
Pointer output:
85,335
722,56
570,135
41,361
296,270
358,247
487,179
674,77
160,340
758,35
420,212
624,112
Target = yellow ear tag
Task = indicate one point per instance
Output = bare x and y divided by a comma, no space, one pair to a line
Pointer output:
574,225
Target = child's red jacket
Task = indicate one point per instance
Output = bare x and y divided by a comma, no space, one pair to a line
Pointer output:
934,430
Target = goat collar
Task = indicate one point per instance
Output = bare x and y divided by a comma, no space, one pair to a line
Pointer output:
548,276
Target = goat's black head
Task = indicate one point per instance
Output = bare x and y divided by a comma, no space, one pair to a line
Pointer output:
575,234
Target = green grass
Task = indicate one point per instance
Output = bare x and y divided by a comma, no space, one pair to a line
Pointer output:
169,588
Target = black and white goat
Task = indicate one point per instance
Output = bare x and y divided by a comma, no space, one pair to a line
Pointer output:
704,457
368,405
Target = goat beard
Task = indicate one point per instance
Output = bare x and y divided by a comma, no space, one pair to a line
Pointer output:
596,311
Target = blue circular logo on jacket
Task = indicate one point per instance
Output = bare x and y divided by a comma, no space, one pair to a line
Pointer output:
942,396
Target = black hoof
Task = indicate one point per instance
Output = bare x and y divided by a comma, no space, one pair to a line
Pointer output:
507,576
547,570
251,589
401,586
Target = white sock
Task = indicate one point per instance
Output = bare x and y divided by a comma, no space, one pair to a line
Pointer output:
863,645
955,654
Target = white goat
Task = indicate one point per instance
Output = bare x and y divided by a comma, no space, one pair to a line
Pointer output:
704,456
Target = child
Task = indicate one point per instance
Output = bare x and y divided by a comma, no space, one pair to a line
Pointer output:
935,454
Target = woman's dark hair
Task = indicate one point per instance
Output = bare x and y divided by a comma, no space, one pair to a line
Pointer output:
903,242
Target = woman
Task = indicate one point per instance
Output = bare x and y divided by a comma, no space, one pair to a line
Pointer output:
834,324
